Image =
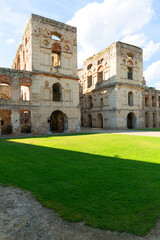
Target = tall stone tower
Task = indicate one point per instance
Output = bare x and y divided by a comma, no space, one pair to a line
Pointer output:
47,45
41,91
111,88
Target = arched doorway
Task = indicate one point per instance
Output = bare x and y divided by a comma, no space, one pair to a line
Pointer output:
89,121
25,120
131,120
100,121
58,121
130,98
56,90
90,104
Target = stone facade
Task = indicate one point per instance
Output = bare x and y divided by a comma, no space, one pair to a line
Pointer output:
113,94
41,91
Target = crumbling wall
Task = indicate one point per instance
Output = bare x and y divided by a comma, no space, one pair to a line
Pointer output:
54,46
23,58
151,107
42,61
5,121
109,78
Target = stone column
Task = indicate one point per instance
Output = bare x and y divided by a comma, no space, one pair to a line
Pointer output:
49,127
15,122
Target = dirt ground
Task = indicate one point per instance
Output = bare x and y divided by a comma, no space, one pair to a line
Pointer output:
24,218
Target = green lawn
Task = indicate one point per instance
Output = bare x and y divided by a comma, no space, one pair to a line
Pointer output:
109,181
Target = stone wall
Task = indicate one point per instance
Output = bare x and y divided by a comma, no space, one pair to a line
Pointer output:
118,99
41,104
35,80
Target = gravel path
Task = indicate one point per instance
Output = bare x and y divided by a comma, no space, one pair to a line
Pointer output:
125,132
24,218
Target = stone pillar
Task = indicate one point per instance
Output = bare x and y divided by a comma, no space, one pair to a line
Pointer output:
15,90
49,126
150,100
15,122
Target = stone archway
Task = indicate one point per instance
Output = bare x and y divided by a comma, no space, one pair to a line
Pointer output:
89,121
100,120
131,120
58,121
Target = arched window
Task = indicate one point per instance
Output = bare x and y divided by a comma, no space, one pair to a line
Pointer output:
130,55
130,73
130,99
89,121
89,81
153,101
90,104
101,102
146,119
55,36
56,89
100,121
146,101
25,93
4,91
100,61
100,75
56,52
154,120
89,66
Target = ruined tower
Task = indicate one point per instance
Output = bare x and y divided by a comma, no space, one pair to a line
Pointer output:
42,86
113,90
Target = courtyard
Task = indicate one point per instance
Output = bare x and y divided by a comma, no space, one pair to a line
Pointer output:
108,181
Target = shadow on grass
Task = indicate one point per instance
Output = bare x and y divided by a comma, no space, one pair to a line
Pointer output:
108,192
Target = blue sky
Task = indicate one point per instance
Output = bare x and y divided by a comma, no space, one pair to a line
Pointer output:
99,23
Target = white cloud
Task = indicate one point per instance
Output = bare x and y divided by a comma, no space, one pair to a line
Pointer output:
14,19
135,39
10,41
152,73
150,49
100,24
157,85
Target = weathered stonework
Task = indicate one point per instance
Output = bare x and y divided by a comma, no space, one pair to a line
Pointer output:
112,93
36,95
40,93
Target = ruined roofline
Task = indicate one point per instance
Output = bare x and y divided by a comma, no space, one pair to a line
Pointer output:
9,71
53,22
130,45
17,52
102,51
20,45
107,48
151,89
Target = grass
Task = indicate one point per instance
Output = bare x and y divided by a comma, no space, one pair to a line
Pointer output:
109,181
